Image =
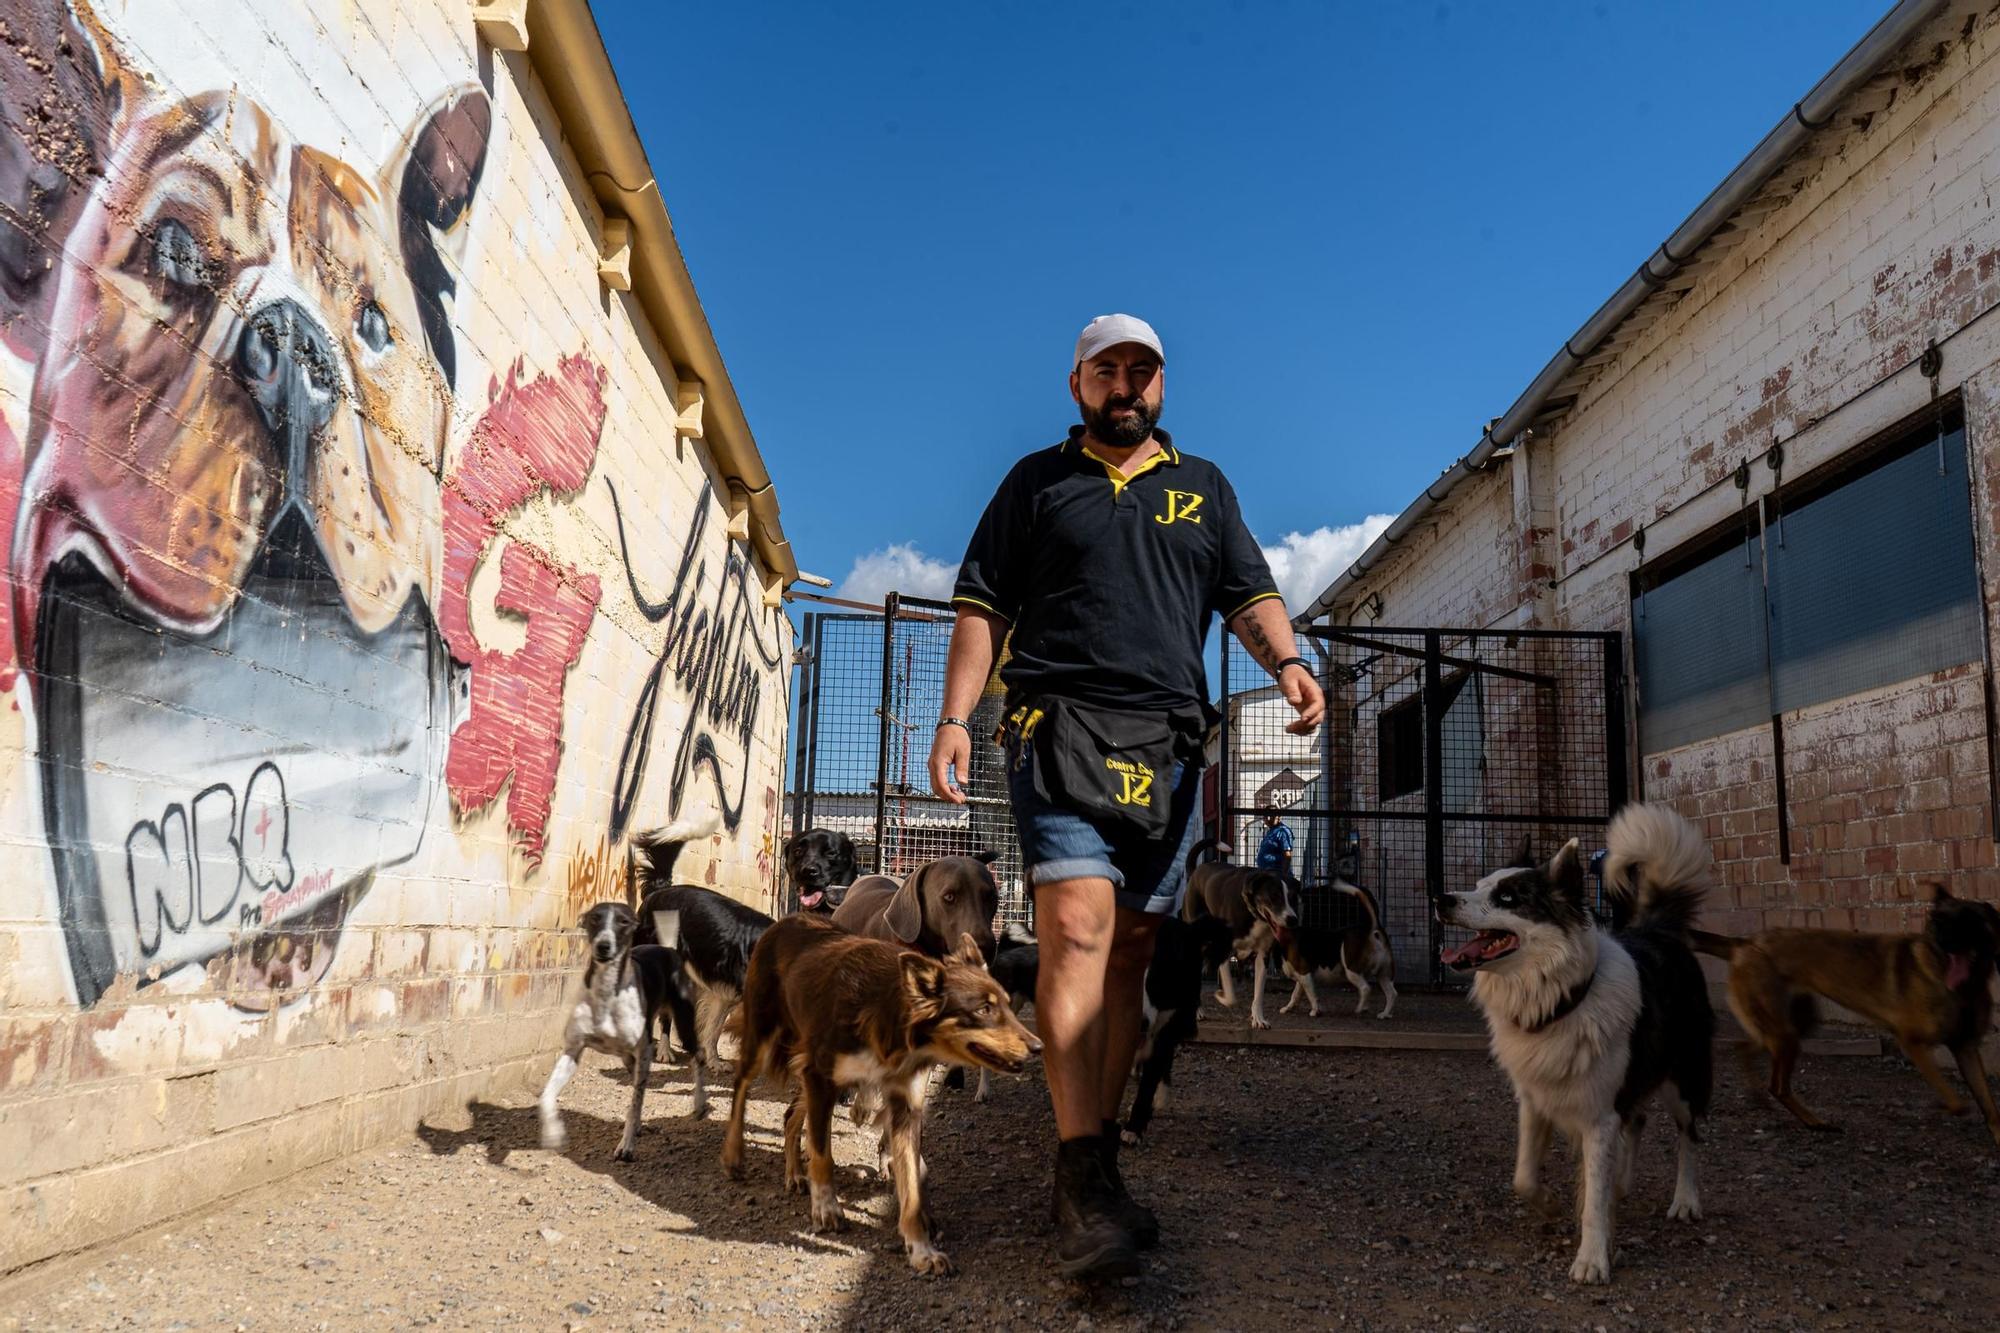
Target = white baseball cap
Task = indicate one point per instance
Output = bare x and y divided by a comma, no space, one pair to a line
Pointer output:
1110,330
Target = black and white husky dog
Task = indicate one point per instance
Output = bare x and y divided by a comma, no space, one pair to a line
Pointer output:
1589,1022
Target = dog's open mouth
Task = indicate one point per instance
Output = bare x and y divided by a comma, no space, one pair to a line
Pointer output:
230,795
1485,947
1957,970
992,1059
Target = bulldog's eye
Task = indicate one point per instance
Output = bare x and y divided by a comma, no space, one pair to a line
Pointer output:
177,256
373,326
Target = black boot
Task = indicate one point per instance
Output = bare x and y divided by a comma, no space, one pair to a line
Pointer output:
1091,1241
1136,1217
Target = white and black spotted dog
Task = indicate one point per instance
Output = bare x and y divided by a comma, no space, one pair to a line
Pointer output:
1589,1022
625,987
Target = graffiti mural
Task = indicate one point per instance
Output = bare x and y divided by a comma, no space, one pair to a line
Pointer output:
536,437
716,653
257,533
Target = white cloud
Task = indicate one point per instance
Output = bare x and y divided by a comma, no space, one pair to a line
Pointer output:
900,567
1303,563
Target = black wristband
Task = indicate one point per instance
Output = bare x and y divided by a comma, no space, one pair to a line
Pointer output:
955,722
1279,669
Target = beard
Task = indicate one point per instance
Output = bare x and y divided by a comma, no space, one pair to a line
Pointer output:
1121,432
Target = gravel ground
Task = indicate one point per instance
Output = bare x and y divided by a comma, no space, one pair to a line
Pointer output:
1297,1188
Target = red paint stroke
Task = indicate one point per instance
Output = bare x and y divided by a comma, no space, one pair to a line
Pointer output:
535,437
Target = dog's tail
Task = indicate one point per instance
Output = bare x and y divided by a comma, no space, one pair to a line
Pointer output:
655,853
1203,848
1715,946
1368,903
1013,935
1659,864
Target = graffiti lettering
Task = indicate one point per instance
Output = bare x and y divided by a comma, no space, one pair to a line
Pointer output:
718,658
194,862
535,437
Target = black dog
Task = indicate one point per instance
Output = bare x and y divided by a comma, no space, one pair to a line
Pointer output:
716,936
1173,1003
1017,966
625,987
820,864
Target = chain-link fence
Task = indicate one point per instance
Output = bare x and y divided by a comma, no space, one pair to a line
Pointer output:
869,697
1443,750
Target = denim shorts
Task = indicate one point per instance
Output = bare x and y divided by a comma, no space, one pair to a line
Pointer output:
1146,874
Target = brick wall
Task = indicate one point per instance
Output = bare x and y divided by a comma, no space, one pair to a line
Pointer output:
1805,330
337,687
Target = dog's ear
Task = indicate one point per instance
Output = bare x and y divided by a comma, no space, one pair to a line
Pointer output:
439,176
968,951
985,857
846,860
923,984
905,914
1940,894
1566,871
1526,856
63,81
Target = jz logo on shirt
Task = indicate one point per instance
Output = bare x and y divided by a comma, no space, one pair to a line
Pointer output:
1182,507
1137,780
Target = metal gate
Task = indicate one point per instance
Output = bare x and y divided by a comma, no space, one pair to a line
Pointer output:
1443,749
870,690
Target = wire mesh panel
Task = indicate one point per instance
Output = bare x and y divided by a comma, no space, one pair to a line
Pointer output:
917,826
1443,750
868,705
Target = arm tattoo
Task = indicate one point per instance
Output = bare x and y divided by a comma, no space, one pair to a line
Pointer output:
1257,641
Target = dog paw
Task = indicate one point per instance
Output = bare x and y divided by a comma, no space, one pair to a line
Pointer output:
1128,1138
1259,1024
1684,1210
699,1111
623,1155
1383,1014
1227,1002
734,1170
929,1261
1592,1269
554,1138
828,1217
1536,1197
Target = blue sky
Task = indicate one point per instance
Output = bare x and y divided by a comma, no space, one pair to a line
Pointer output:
1360,229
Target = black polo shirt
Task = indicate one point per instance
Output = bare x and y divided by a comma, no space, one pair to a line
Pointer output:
1109,580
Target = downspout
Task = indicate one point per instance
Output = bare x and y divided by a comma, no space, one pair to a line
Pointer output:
1810,113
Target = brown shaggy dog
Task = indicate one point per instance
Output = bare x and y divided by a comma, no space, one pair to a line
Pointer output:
836,1010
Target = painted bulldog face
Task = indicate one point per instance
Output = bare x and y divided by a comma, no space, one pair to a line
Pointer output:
229,528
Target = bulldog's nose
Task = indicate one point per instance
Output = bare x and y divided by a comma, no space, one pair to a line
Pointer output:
287,364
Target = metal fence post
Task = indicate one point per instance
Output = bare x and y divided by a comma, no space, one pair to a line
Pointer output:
1433,782
882,745
802,727
1615,761
1225,795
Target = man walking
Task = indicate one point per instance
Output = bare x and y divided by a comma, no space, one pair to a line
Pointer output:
1106,556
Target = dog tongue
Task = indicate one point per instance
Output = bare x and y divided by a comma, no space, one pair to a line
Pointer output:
811,899
1468,952
1957,970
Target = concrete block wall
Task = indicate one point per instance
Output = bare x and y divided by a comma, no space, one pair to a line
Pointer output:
1806,332
362,602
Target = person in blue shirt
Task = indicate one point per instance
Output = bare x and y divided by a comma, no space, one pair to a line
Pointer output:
1275,852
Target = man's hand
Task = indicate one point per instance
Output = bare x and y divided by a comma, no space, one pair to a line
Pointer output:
1301,691
951,748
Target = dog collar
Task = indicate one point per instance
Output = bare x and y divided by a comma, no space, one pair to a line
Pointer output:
1567,1005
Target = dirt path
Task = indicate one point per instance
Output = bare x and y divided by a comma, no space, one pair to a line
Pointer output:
1297,1189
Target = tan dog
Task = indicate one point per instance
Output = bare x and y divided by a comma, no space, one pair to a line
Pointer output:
834,1010
1928,989
934,905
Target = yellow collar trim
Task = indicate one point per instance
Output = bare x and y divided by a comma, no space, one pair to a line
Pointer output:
1120,480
